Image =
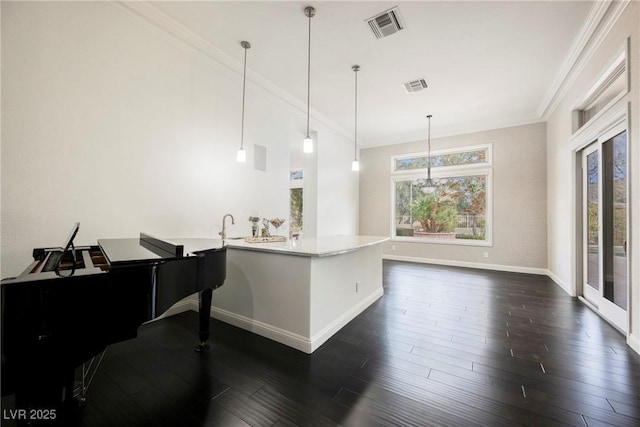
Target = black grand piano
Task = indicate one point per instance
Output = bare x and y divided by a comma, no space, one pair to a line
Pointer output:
72,302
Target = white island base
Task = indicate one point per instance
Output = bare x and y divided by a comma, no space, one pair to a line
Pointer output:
299,293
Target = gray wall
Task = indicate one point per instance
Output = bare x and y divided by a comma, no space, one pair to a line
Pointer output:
519,201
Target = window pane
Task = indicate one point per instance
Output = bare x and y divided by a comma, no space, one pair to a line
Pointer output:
614,202
451,159
593,203
404,198
295,209
455,210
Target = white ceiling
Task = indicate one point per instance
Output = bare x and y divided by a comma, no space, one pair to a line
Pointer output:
488,64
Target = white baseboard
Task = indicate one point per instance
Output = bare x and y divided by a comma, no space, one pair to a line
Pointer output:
496,267
263,329
634,342
305,344
560,282
318,339
467,264
280,335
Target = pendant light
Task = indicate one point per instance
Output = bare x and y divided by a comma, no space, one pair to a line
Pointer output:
307,145
355,165
430,185
242,155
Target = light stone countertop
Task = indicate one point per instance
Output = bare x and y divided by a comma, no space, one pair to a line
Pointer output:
311,246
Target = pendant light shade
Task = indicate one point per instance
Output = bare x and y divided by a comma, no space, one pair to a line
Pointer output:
307,145
242,155
355,165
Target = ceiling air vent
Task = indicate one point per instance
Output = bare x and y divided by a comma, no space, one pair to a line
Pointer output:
415,85
386,23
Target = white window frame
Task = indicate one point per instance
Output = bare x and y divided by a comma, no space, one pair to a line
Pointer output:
488,158
619,65
484,168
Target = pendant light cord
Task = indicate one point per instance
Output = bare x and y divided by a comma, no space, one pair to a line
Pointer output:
310,15
244,84
429,147
356,68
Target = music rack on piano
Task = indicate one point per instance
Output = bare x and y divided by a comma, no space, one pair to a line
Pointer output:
72,302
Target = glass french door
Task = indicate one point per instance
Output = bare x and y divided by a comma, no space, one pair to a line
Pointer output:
605,219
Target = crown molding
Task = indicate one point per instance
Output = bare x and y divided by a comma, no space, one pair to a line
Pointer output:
450,131
185,38
601,19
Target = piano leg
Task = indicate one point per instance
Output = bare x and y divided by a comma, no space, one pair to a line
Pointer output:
204,314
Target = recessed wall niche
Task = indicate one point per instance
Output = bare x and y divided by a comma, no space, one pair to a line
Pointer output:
260,157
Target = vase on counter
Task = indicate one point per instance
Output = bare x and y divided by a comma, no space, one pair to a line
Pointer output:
255,228
265,230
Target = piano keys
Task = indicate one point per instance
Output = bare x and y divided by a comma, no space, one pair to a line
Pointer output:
58,314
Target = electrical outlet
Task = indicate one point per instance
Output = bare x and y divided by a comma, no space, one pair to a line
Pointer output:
486,255
393,247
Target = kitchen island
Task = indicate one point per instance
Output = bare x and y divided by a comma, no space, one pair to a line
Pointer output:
300,292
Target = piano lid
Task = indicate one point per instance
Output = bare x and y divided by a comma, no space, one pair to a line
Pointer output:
132,251
129,251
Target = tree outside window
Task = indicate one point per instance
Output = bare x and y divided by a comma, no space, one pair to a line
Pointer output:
455,211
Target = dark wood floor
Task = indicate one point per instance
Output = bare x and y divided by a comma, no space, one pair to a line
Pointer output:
444,346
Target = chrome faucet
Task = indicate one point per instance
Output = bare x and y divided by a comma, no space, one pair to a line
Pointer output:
223,233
